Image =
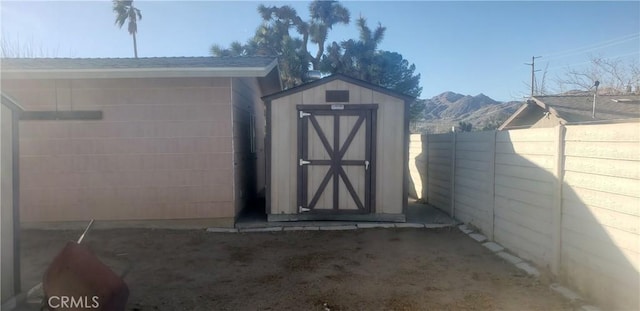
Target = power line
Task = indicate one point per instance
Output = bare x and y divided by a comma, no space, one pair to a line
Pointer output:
595,46
589,61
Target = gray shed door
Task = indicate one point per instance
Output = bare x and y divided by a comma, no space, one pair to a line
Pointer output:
335,159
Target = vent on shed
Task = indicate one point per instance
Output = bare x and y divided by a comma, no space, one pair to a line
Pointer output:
337,96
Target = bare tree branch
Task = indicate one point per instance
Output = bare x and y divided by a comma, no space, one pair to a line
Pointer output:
616,76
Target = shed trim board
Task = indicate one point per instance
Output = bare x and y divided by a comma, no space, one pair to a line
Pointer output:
371,100
342,77
338,217
267,144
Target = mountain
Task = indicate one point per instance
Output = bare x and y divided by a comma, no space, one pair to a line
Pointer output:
448,109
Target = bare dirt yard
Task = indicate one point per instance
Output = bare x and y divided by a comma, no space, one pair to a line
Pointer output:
370,269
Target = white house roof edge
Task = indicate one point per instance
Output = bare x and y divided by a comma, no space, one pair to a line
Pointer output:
138,72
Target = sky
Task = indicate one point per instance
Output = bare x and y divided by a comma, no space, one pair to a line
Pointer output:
467,47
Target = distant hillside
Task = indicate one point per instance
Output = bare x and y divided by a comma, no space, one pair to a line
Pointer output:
448,109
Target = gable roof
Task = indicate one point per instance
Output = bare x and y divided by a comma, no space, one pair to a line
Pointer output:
31,68
342,77
579,108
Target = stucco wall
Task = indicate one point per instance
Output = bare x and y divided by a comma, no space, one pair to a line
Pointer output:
162,151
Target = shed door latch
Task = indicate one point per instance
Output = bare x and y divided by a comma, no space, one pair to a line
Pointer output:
303,209
366,165
304,114
303,162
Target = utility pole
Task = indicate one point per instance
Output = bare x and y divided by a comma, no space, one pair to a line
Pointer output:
533,70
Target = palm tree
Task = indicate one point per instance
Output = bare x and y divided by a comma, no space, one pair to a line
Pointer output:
125,10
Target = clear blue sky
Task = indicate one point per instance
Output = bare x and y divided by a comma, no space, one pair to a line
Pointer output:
466,47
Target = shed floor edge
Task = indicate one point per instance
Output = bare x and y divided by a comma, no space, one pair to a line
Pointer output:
345,217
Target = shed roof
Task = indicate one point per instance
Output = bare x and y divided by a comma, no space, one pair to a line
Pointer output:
342,77
137,67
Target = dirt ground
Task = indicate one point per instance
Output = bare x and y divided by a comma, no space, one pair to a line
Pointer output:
371,269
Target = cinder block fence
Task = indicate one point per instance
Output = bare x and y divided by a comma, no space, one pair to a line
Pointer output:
566,198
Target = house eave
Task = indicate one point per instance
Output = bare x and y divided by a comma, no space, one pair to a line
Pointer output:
102,73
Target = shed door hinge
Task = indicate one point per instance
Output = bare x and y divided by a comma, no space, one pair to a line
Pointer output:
303,162
303,209
304,114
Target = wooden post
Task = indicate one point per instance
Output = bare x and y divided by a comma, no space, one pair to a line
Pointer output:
556,216
453,175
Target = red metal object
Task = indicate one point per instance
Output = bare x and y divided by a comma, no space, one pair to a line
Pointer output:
78,280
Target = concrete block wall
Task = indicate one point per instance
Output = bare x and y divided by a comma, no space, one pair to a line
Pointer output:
524,192
601,212
439,150
474,187
566,198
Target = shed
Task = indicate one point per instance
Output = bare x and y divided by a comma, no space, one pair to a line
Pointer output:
337,149
162,141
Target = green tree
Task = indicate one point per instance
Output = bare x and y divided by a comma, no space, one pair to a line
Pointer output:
465,126
284,34
125,11
274,37
361,59
324,15
356,58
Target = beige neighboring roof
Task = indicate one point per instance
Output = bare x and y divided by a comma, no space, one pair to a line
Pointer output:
579,108
151,67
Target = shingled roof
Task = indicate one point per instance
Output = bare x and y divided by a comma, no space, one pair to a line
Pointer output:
575,109
135,67
579,108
